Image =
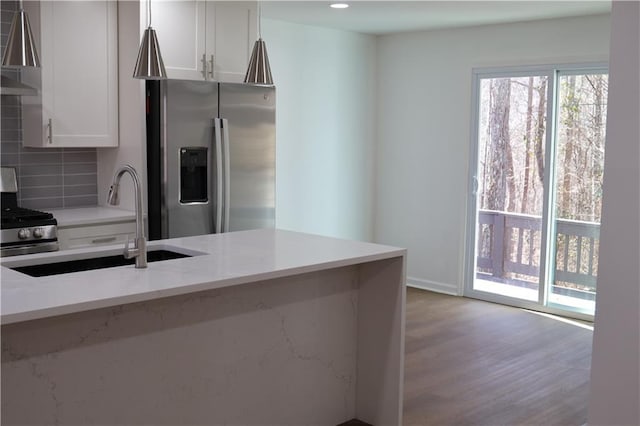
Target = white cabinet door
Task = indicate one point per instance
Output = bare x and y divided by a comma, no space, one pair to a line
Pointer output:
236,25
77,104
181,30
204,40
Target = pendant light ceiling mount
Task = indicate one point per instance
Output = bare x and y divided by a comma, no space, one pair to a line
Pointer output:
259,70
149,65
20,50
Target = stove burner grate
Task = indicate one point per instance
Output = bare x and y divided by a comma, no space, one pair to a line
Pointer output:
11,215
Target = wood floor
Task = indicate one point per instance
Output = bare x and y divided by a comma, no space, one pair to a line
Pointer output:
469,362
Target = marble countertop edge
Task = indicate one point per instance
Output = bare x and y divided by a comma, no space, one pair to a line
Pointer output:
256,256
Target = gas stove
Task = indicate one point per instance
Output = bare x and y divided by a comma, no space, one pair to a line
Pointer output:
23,231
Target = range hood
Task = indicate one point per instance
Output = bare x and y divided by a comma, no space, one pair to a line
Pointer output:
9,86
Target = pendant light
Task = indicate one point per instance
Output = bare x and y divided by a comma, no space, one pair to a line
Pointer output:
259,71
21,50
149,65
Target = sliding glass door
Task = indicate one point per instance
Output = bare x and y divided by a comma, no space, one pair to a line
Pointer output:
538,151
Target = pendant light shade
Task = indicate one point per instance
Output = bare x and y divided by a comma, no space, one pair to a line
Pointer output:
149,65
21,50
259,71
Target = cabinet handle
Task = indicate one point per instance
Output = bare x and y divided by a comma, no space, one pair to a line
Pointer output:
50,131
204,66
211,67
103,240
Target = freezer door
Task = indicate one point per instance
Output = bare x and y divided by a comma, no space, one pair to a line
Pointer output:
190,108
249,114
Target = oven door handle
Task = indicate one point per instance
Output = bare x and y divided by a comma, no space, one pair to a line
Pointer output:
29,249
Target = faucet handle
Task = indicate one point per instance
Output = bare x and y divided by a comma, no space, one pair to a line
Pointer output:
126,248
129,253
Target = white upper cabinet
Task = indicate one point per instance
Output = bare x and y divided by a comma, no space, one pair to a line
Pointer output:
236,30
204,40
77,104
181,32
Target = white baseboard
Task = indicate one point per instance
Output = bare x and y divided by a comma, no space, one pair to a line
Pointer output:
437,287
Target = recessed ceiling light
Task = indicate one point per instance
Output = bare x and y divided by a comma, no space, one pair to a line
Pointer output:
339,5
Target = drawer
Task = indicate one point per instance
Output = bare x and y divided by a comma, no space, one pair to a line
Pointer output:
96,235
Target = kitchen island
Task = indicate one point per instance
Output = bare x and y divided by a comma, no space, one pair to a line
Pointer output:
257,327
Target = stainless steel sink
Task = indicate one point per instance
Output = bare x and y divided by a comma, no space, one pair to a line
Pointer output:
62,265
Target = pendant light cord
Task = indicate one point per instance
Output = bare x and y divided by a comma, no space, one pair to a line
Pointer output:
149,13
259,19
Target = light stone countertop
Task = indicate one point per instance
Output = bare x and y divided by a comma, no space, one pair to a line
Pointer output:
91,216
228,259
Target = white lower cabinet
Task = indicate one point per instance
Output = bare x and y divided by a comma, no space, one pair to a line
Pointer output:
82,236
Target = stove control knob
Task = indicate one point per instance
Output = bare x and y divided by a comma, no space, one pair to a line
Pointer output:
38,233
24,233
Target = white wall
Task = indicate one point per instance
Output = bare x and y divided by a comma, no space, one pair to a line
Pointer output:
325,99
131,115
424,93
615,367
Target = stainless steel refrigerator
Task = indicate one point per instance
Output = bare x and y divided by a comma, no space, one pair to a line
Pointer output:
210,157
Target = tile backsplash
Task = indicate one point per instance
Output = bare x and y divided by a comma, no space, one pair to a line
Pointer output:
47,178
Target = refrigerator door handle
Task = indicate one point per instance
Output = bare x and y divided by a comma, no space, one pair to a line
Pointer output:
227,173
219,174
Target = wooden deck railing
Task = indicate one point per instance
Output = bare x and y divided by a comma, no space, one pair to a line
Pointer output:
508,249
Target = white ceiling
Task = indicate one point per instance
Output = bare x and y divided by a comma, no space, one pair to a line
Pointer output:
383,17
